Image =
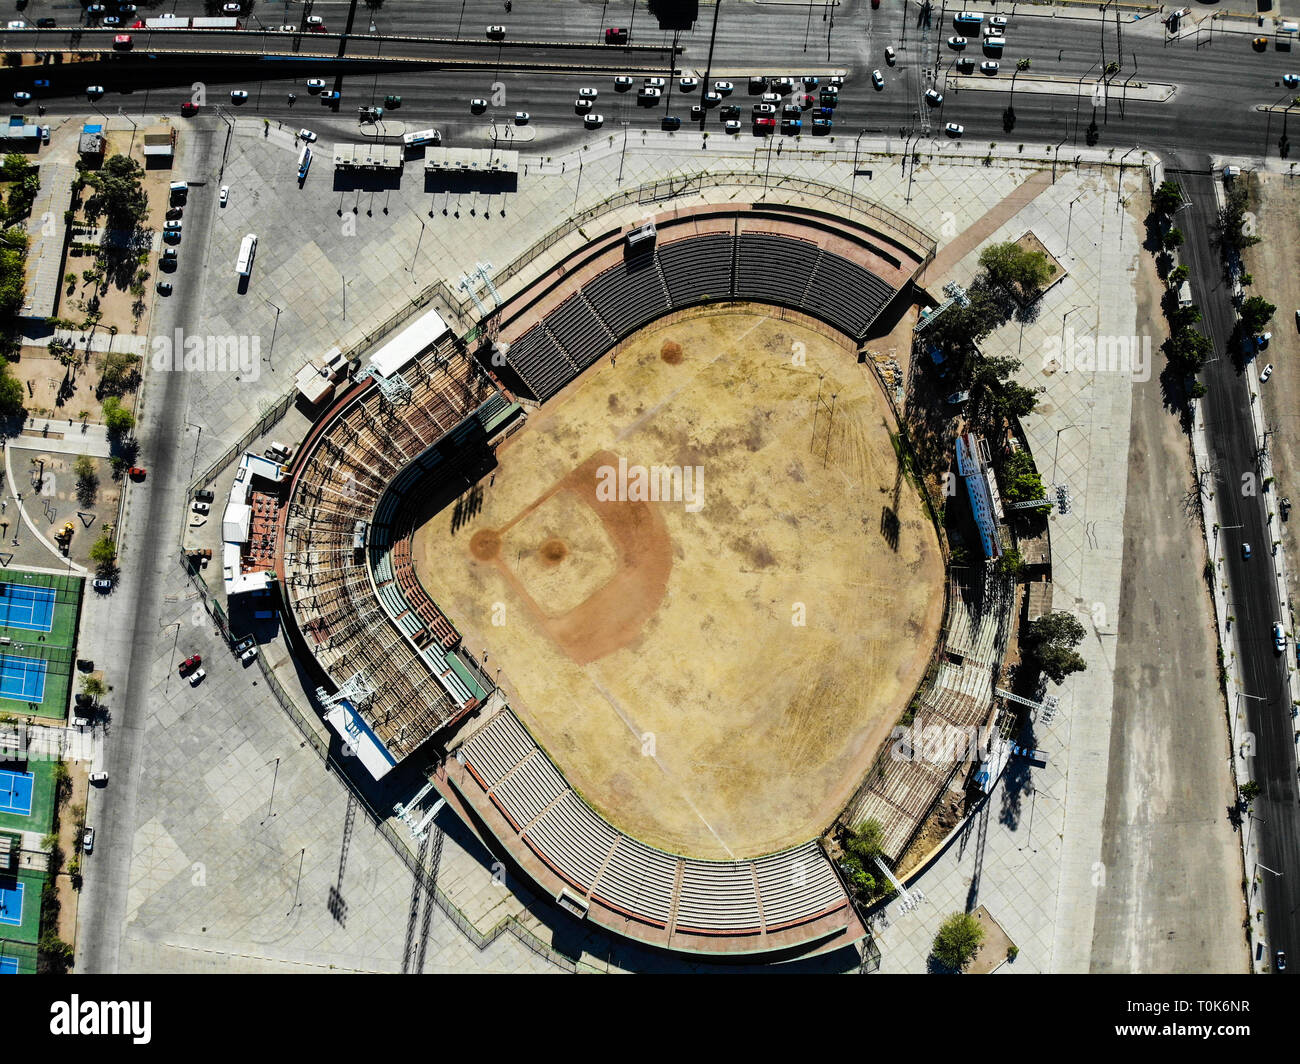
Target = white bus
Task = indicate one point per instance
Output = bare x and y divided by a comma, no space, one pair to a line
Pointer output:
421,137
246,251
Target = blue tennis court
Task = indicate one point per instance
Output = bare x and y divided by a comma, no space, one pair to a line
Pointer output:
11,903
31,608
8,965
16,792
22,679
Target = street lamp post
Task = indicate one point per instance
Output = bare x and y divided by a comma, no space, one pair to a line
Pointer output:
274,329
853,182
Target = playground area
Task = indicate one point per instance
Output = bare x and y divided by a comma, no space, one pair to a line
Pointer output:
708,586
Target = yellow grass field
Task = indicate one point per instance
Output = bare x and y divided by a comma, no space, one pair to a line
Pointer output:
713,669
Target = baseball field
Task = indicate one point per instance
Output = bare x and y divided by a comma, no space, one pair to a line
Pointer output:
707,584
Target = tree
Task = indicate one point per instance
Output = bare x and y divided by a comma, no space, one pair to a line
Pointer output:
103,552
93,686
862,846
1255,314
1167,198
1249,792
118,196
118,373
1178,275
1188,349
1184,317
11,391
117,419
87,480
1020,480
1236,224
1051,640
1012,267
958,940
1173,239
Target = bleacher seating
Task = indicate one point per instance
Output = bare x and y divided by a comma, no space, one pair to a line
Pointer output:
628,877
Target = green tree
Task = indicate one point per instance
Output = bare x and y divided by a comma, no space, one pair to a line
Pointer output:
1236,223
1020,480
1167,198
1249,791
1173,239
117,419
12,395
117,195
1255,314
87,479
1012,267
93,685
862,846
103,552
1178,275
958,940
1051,640
1188,349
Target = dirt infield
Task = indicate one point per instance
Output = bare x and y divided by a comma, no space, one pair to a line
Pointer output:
709,590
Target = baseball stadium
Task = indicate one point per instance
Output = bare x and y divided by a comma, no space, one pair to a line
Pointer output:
636,566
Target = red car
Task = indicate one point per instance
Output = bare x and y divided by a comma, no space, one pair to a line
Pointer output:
616,36
135,473
122,41
190,663
765,125
189,107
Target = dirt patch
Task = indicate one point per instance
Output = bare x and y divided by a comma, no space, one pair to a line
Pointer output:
993,950
713,669
671,352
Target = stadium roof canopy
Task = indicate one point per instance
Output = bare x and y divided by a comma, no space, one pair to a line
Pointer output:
402,348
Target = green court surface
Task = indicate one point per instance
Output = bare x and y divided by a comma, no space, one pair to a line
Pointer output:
58,647
16,939
42,818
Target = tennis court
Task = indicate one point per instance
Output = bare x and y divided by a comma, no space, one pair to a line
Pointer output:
22,679
8,965
16,790
11,902
27,607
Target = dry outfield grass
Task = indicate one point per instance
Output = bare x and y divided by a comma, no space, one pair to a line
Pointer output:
654,651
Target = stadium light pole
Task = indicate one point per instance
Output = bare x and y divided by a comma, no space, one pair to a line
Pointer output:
708,66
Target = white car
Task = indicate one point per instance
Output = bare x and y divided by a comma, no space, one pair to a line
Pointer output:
248,655
522,118
712,99
1265,373
655,83
593,121
197,677
878,79
649,93
933,97
315,84
98,777
225,194
496,33
989,66
890,56
315,20
774,98
588,93
307,135
1279,637
1291,79
582,105
726,88
238,95
999,22
230,9
22,97
732,125
94,91
688,84
477,106
954,130
837,82
200,507
761,109
956,43
287,28
623,83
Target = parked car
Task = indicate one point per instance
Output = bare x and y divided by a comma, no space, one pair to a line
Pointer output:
1266,373
763,126
1259,43
1281,960
656,83
593,121
96,9
200,507
810,82
197,677
189,108
102,584
1245,551
957,43
175,212
731,125
307,135
244,644
98,778
112,20
1291,79
331,96
238,95
204,495
890,56
688,84
999,22
764,109
648,95
477,106
791,125
522,118
821,126
88,840
46,23
878,80
670,123
1279,637
231,9
137,472
175,223
989,66
45,134
224,198
164,288
248,655
954,130
315,84
192,662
